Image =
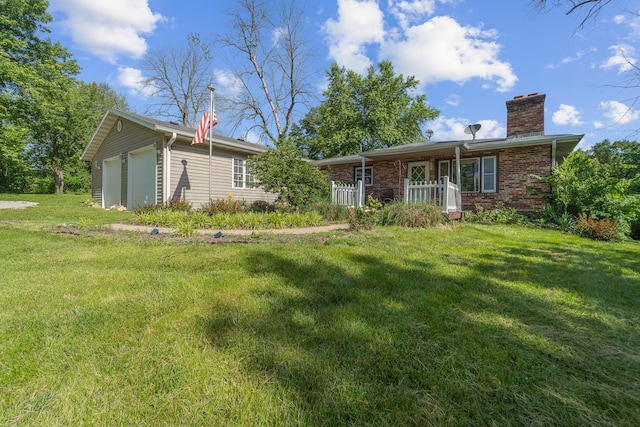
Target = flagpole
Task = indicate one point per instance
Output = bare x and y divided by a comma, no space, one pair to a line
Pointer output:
211,89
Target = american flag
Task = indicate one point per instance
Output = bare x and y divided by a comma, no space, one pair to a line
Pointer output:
203,127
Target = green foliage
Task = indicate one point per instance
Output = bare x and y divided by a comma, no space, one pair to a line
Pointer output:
298,183
366,217
331,212
420,215
596,185
228,205
597,229
500,215
178,204
375,111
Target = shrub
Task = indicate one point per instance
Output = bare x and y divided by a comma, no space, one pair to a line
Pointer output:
500,215
227,205
366,217
420,215
260,206
177,204
597,229
330,211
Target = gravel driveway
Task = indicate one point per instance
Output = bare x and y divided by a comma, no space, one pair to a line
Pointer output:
16,205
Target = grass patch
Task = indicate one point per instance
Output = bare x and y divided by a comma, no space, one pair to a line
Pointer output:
475,325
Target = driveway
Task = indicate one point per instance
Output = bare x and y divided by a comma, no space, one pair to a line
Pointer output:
16,205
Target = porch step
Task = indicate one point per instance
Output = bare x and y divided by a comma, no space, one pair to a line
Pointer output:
456,215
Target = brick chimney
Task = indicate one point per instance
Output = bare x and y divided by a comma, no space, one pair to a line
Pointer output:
525,115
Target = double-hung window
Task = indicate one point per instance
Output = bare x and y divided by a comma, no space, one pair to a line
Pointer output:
477,174
368,175
242,175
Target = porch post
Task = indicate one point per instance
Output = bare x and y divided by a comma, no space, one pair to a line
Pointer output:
458,179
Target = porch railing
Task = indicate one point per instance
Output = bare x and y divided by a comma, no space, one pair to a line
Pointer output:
444,194
347,194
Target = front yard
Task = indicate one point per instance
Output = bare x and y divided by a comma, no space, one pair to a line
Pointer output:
470,325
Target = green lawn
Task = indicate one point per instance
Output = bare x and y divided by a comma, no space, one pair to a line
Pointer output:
475,325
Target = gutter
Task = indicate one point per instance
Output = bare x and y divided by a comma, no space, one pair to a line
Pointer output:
167,165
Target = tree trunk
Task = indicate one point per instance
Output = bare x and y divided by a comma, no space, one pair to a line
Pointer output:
58,178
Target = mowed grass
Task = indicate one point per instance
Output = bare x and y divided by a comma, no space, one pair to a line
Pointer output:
474,325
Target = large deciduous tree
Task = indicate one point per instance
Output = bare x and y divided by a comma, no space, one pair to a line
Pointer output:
33,70
363,113
177,80
267,57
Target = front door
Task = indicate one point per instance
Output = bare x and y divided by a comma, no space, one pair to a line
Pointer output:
418,171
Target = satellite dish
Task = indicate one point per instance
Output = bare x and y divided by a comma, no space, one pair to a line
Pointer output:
472,129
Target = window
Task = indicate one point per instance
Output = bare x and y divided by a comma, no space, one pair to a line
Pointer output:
477,174
443,170
368,175
489,174
242,175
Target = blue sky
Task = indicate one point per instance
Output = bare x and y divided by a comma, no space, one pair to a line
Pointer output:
470,56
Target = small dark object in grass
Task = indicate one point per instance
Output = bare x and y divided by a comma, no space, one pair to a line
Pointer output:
154,231
218,235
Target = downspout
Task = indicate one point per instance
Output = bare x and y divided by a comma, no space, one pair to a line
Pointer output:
167,186
554,144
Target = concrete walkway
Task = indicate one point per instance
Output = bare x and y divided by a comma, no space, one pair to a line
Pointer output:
165,230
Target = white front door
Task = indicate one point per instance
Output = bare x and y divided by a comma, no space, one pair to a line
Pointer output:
418,171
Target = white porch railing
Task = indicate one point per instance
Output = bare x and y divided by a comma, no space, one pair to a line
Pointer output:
346,194
444,194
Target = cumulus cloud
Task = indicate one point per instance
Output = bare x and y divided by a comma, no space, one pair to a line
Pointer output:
108,28
623,58
455,53
619,113
567,115
227,83
133,80
452,129
359,24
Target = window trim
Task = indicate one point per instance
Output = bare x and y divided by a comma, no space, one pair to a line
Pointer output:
494,174
368,175
470,160
248,182
449,172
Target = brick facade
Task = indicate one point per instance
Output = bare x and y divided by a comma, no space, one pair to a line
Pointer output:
514,180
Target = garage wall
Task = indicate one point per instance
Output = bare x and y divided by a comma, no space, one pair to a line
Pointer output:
130,137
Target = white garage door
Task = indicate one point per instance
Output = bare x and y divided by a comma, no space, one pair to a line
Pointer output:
142,178
111,182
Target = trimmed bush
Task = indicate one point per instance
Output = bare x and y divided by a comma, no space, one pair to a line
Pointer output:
597,229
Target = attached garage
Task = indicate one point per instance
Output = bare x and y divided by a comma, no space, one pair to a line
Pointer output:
137,160
142,182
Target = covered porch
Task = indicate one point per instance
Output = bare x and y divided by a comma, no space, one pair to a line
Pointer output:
418,175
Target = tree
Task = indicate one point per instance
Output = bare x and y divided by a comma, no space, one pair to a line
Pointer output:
178,80
68,115
622,159
363,113
298,182
267,57
32,69
591,8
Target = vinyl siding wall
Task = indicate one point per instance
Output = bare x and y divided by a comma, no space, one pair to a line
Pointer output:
190,175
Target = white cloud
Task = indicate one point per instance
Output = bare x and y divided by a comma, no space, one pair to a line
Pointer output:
435,50
455,53
407,11
359,23
133,80
227,83
619,113
567,115
623,58
452,129
598,124
453,100
108,28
